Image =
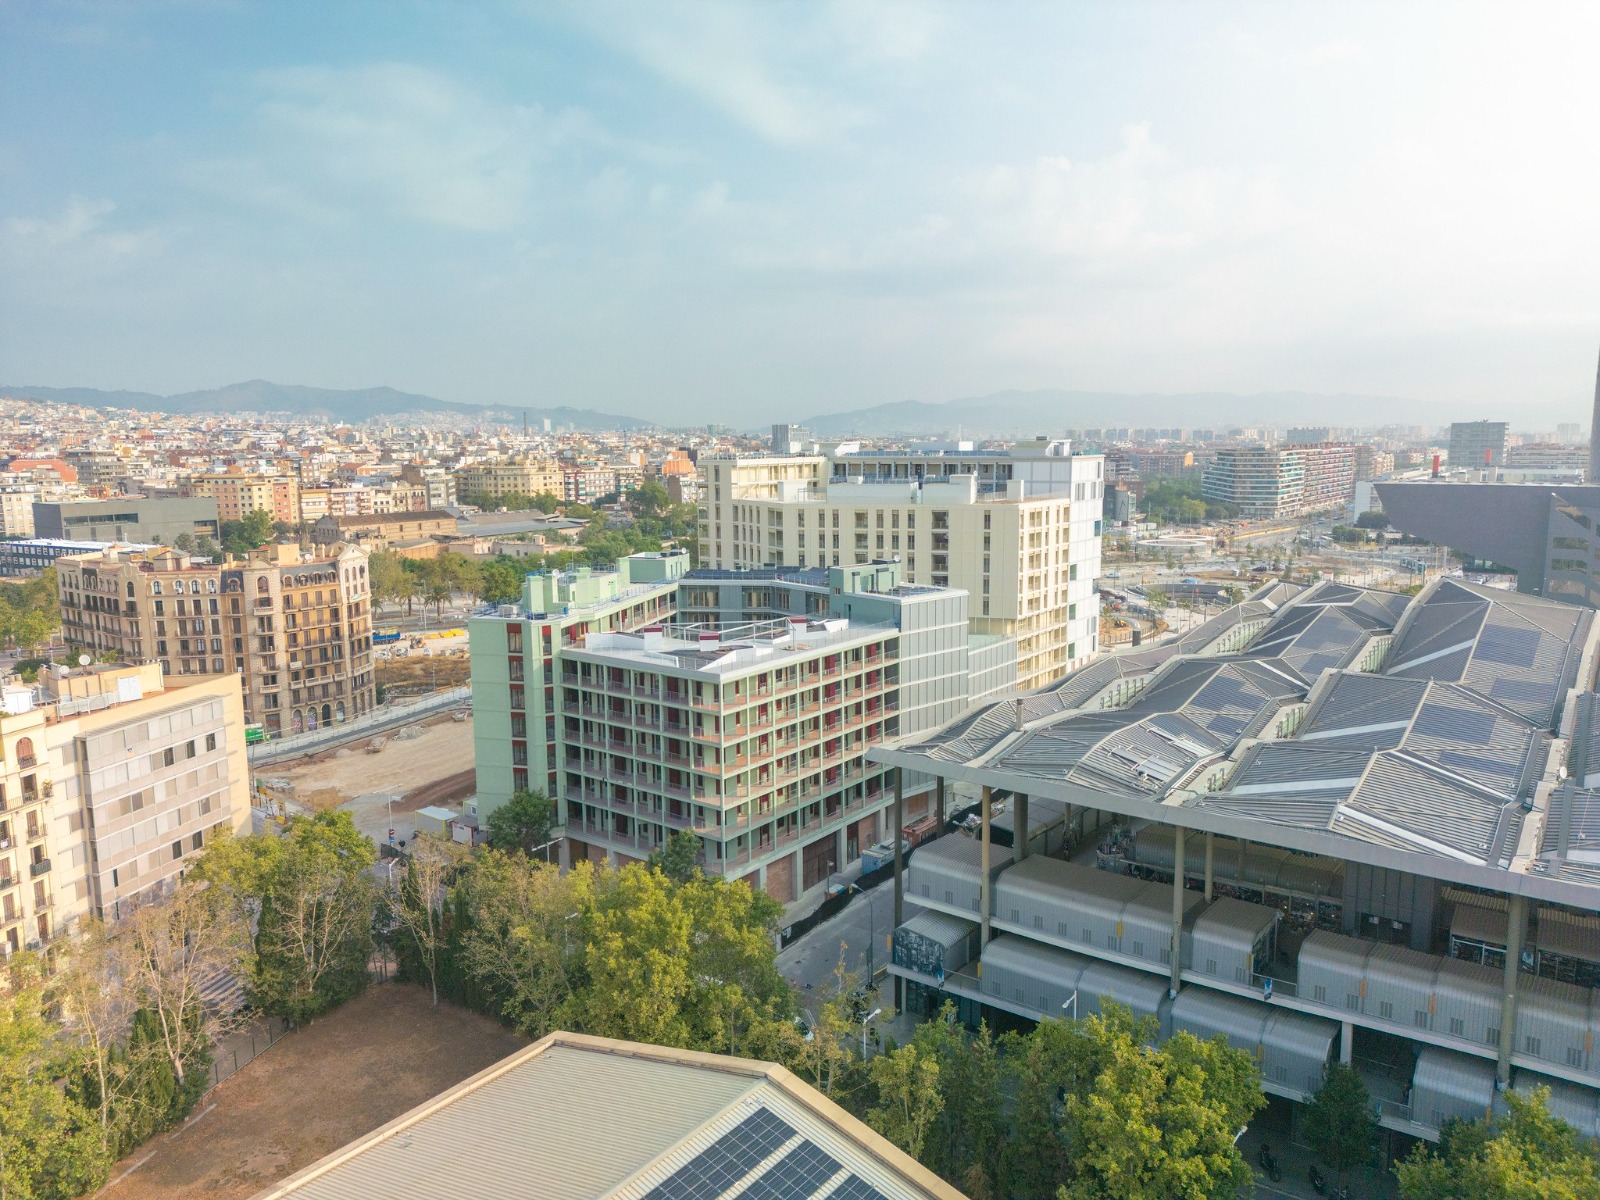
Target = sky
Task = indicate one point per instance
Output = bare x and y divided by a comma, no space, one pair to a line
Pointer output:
733,212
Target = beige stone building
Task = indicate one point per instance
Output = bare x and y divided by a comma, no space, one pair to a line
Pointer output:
113,782
526,477
295,628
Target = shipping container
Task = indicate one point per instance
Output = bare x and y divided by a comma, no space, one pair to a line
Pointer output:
947,872
1233,941
1446,1084
935,944
1024,973
1292,1049
1557,1022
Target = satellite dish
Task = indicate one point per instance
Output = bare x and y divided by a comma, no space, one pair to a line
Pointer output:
84,660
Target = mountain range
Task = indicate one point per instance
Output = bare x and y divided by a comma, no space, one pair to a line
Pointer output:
362,404
1026,414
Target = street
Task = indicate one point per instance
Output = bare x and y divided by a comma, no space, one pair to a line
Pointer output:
809,962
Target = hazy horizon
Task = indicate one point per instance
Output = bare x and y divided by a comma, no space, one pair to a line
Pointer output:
738,213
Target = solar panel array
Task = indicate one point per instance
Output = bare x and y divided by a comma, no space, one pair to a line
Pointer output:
727,1160
804,1172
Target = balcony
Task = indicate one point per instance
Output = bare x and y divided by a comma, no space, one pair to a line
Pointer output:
42,867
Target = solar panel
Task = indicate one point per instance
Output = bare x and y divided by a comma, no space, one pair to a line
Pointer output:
727,1160
798,1175
856,1188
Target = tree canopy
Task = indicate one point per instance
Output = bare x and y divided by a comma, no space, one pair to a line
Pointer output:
1527,1155
523,823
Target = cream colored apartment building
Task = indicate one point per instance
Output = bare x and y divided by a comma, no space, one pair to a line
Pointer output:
1018,530
524,477
238,494
295,627
112,783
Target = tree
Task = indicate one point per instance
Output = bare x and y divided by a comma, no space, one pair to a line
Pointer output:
50,1145
679,858
386,577
251,531
93,988
969,1131
419,910
909,1097
522,941
1529,1155
176,946
1340,1126
1372,520
1161,1123
501,581
523,823
314,909
649,499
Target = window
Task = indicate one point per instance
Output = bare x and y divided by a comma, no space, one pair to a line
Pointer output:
168,757
177,848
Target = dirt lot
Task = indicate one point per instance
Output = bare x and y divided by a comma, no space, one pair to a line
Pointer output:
417,672
403,766
344,1075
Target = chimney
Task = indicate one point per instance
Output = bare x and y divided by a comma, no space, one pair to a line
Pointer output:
1436,471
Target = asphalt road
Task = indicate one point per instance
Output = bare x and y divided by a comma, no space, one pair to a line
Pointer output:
809,962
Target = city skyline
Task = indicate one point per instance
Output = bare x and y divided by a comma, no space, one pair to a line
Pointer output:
738,214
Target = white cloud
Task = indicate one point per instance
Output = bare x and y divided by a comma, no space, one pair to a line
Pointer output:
79,218
758,71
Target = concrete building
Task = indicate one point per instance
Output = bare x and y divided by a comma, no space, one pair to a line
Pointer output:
1018,530
296,629
16,509
590,1118
1269,482
1329,824
29,556
239,493
112,783
1476,444
515,655
745,720
127,519
523,477
436,485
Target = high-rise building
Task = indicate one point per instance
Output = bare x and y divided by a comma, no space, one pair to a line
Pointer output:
296,628
112,783
744,720
514,663
1267,482
1018,530
1477,444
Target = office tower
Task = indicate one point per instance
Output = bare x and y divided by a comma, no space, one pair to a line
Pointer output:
1477,444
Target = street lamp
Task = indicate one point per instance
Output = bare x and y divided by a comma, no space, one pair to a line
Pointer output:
1072,1003
865,1021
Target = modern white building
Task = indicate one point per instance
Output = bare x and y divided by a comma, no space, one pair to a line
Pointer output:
1017,529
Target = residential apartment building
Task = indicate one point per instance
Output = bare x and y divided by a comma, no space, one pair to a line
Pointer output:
296,629
586,484
523,477
744,721
16,509
1266,482
127,519
239,493
1018,530
514,662
430,488
111,783
1477,444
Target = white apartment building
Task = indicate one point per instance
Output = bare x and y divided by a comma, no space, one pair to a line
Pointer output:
1018,530
111,783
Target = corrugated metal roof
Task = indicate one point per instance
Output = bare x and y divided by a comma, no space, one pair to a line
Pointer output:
578,1118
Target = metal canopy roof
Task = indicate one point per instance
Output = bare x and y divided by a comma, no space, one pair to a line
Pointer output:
1439,765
